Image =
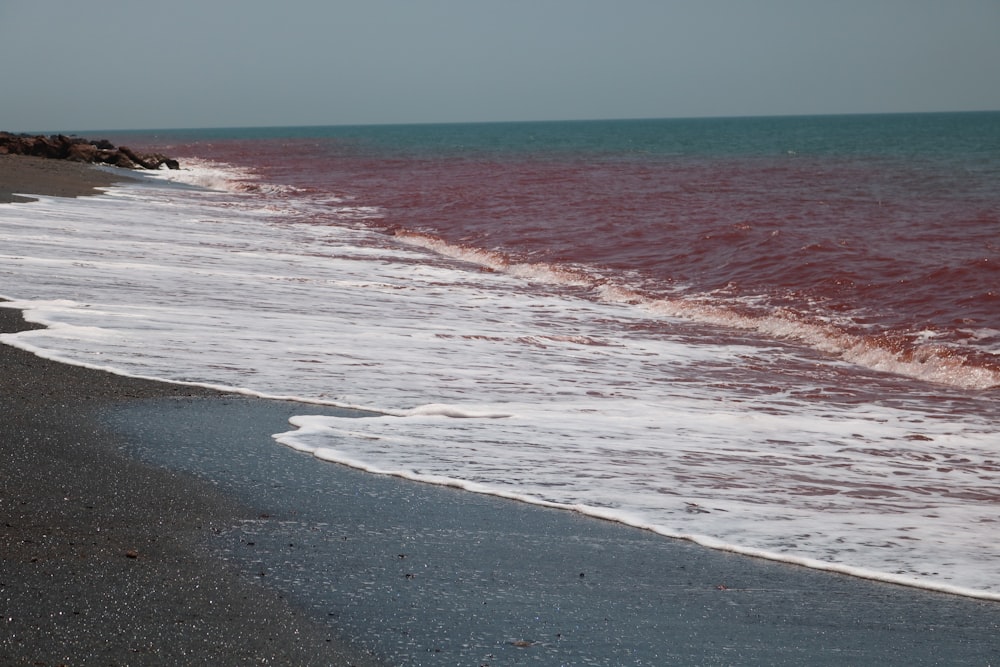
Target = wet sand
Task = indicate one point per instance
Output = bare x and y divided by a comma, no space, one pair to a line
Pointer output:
428,575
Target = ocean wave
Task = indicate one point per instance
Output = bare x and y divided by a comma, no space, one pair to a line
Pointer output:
884,352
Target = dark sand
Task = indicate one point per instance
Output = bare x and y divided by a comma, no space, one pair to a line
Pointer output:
148,523
102,558
24,175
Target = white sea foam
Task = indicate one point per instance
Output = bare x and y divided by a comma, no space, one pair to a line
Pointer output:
495,383
931,363
212,175
207,174
826,493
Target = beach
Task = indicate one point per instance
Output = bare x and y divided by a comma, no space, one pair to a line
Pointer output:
155,523
102,561
102,556
53,178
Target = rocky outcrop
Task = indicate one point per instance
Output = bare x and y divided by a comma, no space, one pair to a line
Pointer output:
76,149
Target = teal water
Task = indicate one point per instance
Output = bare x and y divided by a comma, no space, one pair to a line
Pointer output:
892,135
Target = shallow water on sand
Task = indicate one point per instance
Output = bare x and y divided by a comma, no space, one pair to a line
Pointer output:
420,574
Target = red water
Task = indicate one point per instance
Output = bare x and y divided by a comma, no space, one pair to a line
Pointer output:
858,257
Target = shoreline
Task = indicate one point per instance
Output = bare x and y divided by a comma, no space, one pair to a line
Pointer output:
170,524
102,556
170,527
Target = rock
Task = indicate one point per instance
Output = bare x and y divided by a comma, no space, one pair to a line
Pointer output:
119,159
168,162
83,153
44,147
154,161
62,147
130,154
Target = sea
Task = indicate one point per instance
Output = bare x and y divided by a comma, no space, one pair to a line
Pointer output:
774,336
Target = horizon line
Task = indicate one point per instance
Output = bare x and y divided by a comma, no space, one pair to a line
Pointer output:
505,122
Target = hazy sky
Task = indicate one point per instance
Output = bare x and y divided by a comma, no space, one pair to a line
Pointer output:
121,64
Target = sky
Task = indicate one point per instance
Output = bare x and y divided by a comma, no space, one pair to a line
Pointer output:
73,65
